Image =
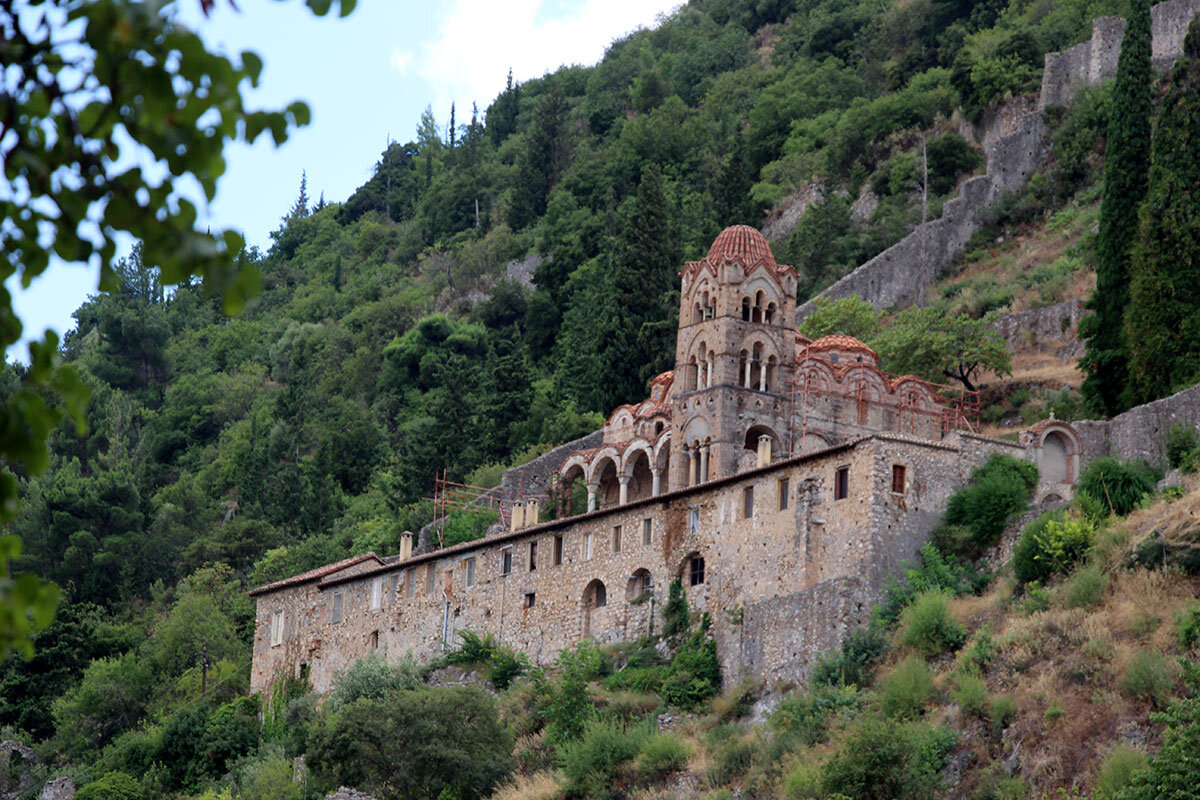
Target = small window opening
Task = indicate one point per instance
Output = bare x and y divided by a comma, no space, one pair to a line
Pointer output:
430,578
470,581
748,502
410,582
506,561
696,571
646,531
376,594
393,585
616,538
841,483
335,616
558,550
784,489
694,520
898,479
587,547
276,629
533,556
374,640
599,596
530,599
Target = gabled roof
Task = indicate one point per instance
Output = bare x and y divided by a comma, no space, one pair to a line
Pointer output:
318,573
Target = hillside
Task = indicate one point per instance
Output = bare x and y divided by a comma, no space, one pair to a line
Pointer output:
495,289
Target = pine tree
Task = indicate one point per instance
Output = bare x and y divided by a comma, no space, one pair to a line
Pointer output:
641,298
507,393
452,132
502,115
541,162
1126,171
300,208
732,194
1163,317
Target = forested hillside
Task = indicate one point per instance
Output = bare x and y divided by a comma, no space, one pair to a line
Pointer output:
385,341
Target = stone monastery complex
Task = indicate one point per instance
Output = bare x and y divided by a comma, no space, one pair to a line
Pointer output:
783,480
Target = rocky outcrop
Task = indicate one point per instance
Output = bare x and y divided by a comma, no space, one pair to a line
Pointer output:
1050,326
1014,137
346,793
58,789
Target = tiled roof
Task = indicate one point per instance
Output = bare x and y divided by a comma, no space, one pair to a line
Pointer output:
742,243
840,341
316,574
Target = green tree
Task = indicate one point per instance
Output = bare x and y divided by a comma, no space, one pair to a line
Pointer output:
541,162
501,116
1126,171
415,745
933,345
852,316
1163,317
1173,772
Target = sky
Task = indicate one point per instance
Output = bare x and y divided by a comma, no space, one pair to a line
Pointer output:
367,78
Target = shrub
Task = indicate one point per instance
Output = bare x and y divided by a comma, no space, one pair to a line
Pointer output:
730,755
373,677
851,665
1173,771
112,786
802,783
586,660
1086,588
1054,711
804,716
675,612
970,693
905,691
694,674
933,570
502,664
928,625
1001,711
1117,770
1187,627
1148,676
662,753
591,764
885,759
569,708
1120,485
1051,544
1002,486
639,679
1182,444
979,652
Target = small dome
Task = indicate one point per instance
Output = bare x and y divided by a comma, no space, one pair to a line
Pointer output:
841,343
742,242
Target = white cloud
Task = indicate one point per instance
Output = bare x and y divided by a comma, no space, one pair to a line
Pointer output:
478,40
401,60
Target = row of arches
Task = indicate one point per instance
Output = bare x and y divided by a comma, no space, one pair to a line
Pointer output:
639,586
757,367
614,476
761,310
755,372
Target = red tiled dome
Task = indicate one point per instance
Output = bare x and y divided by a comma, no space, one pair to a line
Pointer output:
840,341
742,242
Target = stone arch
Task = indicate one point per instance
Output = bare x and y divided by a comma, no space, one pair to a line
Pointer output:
603,477
640,584
750,444
662,460
692,570
594,603
811,442
636,470
1057,454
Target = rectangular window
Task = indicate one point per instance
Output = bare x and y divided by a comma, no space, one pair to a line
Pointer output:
410,582
276,629
587,547
616,538
646,531
841,483
696,571
532,556
506,561
470,581
784,488
430,578
374,640
335,615
392,586
748,502
694,520
530,599
897,479
557,550
376,594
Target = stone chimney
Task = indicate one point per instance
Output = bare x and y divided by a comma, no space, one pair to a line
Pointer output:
533,509
406,542
517,517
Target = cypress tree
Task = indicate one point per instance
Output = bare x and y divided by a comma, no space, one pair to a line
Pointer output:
502,114
641,295
1163,318
1126,171
541,161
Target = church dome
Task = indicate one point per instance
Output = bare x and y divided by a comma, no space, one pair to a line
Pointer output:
743,243
838,347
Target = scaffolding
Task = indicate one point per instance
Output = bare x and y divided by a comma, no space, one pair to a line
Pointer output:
450,497
852,407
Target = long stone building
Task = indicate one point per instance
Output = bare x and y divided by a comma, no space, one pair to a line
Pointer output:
781,479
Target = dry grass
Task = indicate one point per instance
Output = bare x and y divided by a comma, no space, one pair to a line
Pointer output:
539,786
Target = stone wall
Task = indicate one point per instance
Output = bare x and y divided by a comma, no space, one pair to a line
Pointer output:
1140,432
1056,325
820,559
1015,141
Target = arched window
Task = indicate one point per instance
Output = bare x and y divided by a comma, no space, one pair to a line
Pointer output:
745,309
770,319
640,585
757,314
744,369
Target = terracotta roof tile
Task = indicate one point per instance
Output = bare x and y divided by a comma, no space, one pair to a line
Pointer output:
316,574
840,341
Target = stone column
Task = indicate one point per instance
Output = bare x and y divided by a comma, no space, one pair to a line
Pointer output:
699,374
624,481
708,377
656,484
746,380
592,488
762,377
703,462
693,466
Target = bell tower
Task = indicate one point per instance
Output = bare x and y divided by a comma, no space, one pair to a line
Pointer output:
733,359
